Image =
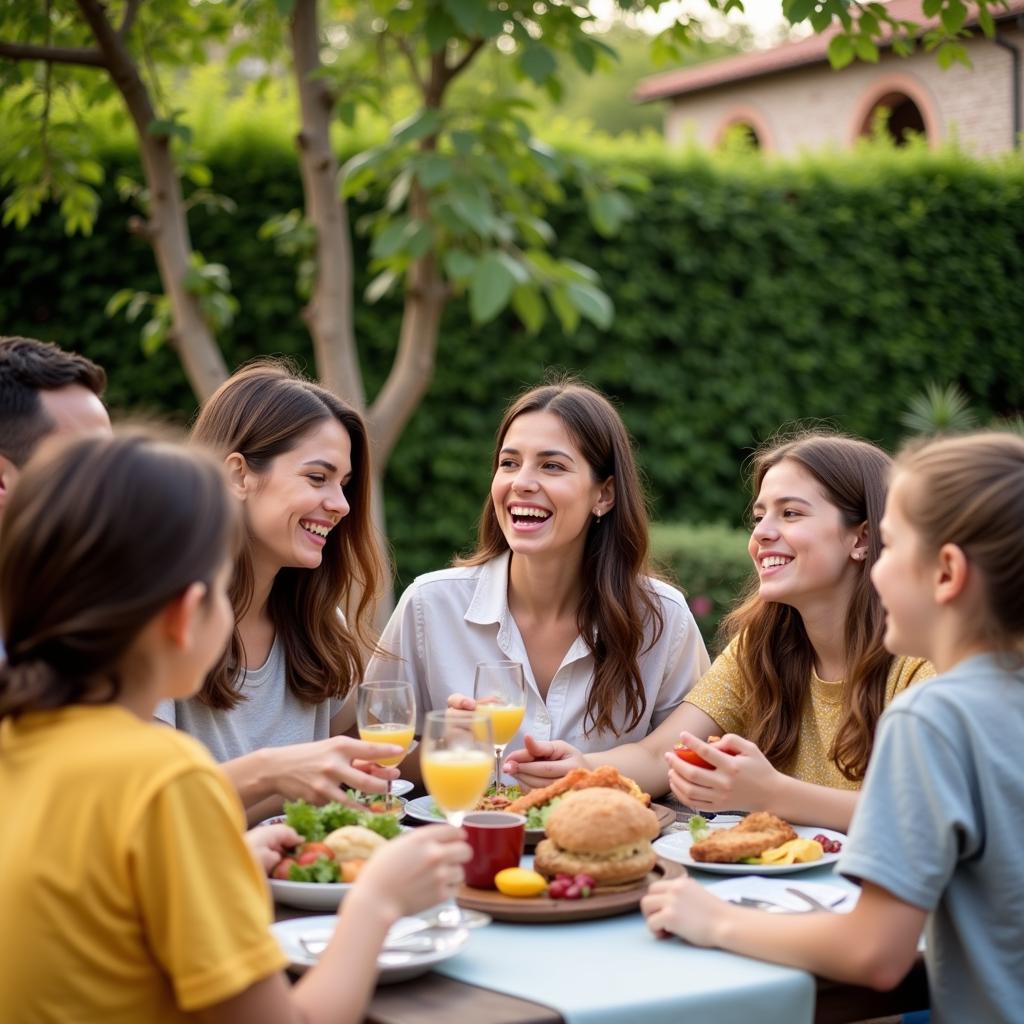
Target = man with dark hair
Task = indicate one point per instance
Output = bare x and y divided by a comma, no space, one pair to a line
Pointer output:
43,390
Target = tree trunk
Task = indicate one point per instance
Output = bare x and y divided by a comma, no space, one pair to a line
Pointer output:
167,230
329,313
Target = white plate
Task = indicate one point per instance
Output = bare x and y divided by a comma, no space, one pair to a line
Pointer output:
424,809
400,787
676,846
308,895
394,966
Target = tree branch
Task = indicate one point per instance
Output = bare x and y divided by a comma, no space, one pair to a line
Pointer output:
403,44
53,54
460,65
130,11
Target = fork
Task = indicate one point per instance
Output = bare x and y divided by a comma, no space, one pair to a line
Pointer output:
829,908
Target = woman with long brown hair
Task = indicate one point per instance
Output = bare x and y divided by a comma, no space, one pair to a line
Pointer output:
127,890
559,581
297,459
800,687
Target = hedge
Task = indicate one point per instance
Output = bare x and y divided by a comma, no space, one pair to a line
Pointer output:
709,563
747,295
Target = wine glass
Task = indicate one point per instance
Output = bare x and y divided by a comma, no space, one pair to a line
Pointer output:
455,759
386,713
500,693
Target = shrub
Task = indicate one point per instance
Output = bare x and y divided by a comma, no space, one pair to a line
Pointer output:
710,565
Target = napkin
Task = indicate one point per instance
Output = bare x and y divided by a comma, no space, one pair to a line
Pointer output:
755,887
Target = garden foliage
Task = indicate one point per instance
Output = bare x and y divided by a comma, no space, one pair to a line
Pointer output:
747,295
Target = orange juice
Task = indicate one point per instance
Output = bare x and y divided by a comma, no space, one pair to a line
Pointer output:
505,720
388,732
456,779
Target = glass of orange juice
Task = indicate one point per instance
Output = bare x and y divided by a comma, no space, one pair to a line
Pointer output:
386,713
500,693
455,759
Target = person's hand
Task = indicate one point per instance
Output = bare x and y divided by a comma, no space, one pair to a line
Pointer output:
417,870
460,702
682,907
540,762
741,777
317,771
269,843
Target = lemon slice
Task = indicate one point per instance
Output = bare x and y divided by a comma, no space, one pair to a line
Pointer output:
519,882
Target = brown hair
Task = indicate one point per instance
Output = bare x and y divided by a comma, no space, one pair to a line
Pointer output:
773,651
27,367
618,605
99,535
262,411
969,491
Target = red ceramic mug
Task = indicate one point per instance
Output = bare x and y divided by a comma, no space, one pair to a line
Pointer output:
496,838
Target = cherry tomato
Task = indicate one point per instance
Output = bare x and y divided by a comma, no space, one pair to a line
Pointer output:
691,757
309,852
281,868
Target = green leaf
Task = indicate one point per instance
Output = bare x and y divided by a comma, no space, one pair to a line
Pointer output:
608,211
821,19
538,63
528,305
953,16
566,312
459,264
439,28
796,10
474,212
380,286
154,334
199,174
390,240
423,123
931,7
584,55
118,301
840,51
466,14
986,21
490,288
433,170
866,49
592,303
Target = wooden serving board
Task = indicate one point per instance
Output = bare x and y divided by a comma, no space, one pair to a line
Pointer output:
607,901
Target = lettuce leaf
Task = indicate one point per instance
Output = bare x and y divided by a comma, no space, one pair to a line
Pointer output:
321,870
699,828
537,817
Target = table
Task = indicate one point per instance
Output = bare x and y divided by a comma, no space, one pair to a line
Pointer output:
680,980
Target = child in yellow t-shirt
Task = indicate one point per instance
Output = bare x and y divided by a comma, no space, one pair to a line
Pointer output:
129,893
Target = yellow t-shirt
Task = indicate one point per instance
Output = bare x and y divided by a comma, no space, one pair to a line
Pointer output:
719,694
128,892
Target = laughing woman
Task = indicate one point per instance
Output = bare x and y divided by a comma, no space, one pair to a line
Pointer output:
297,460
559,581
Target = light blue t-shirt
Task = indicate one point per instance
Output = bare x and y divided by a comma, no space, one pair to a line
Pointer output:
940,825
270,716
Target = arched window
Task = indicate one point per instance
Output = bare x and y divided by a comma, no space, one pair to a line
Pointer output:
744,128
899,114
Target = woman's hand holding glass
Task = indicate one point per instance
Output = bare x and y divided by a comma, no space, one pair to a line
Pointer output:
499,692
386,713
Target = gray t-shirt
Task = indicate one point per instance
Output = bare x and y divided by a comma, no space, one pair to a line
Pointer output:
939,825
271,715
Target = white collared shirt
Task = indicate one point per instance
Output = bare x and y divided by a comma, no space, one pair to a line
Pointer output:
447,621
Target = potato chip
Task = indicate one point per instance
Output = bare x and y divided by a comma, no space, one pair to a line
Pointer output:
796,851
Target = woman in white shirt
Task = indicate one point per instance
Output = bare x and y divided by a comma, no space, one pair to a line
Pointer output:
559,581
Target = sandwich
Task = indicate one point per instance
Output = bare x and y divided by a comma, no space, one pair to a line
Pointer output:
756,833
599,832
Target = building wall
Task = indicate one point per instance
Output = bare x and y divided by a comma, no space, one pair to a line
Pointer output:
814,106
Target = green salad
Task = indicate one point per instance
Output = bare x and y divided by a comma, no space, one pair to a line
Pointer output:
313,823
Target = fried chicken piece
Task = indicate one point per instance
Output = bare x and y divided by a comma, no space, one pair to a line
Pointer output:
579,778
756,833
